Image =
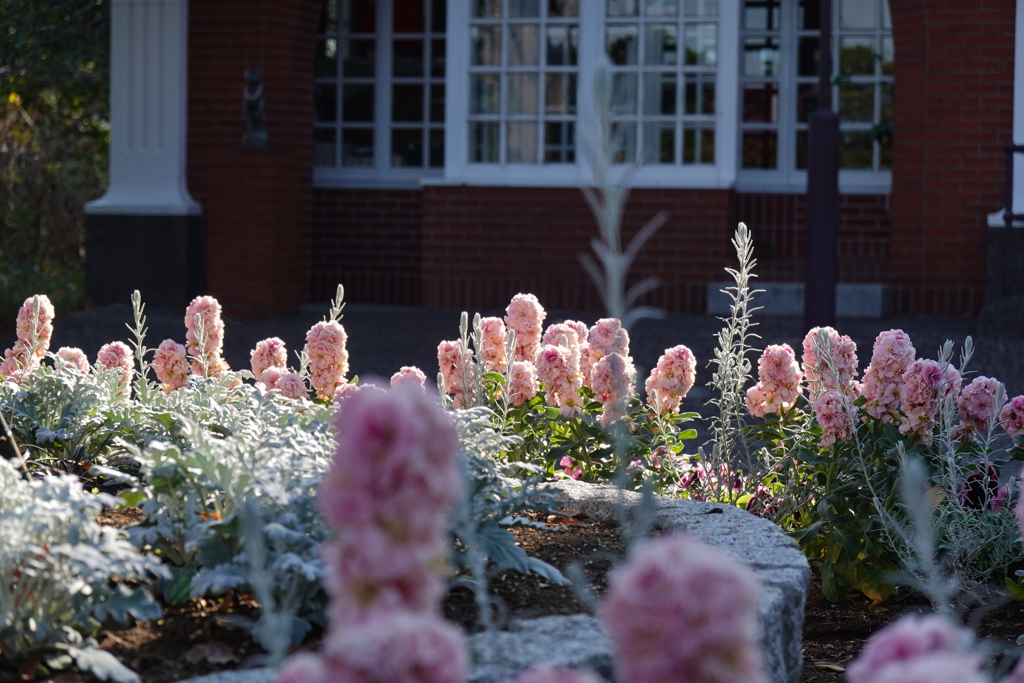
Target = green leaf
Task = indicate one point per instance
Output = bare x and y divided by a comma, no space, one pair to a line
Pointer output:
177,589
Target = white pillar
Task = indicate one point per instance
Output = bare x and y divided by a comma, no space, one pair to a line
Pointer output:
148,110
995,220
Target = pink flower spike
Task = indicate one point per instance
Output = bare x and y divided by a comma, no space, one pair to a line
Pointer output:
671,379
328,357
909,639
409,374
209,312
73,359
117,356
1012,418
493,352
525,316
268,353
171,365
523,383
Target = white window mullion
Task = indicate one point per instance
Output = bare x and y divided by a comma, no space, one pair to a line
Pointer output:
382,94
727,91
456,78
591,47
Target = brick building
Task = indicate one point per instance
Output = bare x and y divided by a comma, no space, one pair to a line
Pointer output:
430,152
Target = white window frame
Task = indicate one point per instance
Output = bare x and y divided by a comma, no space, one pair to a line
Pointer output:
787,178
381,174
460,171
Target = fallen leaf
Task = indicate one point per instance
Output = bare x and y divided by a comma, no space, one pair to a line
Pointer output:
830,666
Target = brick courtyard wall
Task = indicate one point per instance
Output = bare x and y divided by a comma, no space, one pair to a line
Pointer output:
953,113
483,245
369,241
778,224
226,37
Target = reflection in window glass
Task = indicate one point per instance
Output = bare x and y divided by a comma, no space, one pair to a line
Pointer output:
857,103
485,9
857,14
659,143
857,56
524,8
660,94
807,56
761,102
357,147
522,142
661,8
855,150
662,45
621,8
702,8
485,45
761,15
483,142
702,44
622,44
760,56
523,45
324,146
407,147
760,149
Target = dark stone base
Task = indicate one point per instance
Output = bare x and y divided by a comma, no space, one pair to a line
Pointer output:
164,257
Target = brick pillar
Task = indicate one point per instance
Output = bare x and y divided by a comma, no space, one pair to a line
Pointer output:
256,211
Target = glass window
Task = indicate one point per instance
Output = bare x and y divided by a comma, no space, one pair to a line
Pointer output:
523,74
664,55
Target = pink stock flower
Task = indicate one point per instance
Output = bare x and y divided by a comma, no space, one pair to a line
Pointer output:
891,355
43,324
586,363
525,316
556,333
171,365
328,357
940,667
671,379
778,383
977,407
832,410
268,353
457,368
562,381
73,359
571,468
1012,418
306,667
523,383
209,311
911,638
409,374
681,611
925,385
344,391
548,673
275,380
613,379
117,356
607,336
493,352
835,372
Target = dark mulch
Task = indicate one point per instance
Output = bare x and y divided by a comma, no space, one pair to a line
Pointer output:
189,641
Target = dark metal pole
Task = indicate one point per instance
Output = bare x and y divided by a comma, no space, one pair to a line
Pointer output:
1008,223
821,257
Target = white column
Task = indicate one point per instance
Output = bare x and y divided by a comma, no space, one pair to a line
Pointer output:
148,110
995,220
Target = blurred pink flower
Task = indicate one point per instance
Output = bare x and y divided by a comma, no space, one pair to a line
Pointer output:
328,357
607,336
681,611
1012,417
525,316
891,355
671,379
493,352
561,378
117,356
909,639
556,333
977,407
344,391
570,467
307,667
268,353
409,374
523,383
457,368
613,379
73,359
171,365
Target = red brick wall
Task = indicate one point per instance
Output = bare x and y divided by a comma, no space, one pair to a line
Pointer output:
225,37
953,113
369,241
778,224
482,245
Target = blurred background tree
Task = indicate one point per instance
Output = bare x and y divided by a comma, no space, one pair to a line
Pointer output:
54,140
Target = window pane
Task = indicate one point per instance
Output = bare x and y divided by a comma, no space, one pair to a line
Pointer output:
659,143
408,58
522,143
661,8
407,147
324,140
484,93
855,150
357,102
662,45
624,93
624,135
886,17
689,145
326,58
483,142
885,152
437,148
809,15
761,15
409,17
407,102
857,56
485,45
807,57
328,22
857,13
562,42
707,145
702,8
437,103
701,44
760,102
487,9
806,101
563,8
760,56
759,149
357,58
559,143
707,95
560,94
437,58
801,150
660,94
621,42
438,21
857,103
523,94
621,8
359,16
885,103
357,147
524,8
888,55
523,44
